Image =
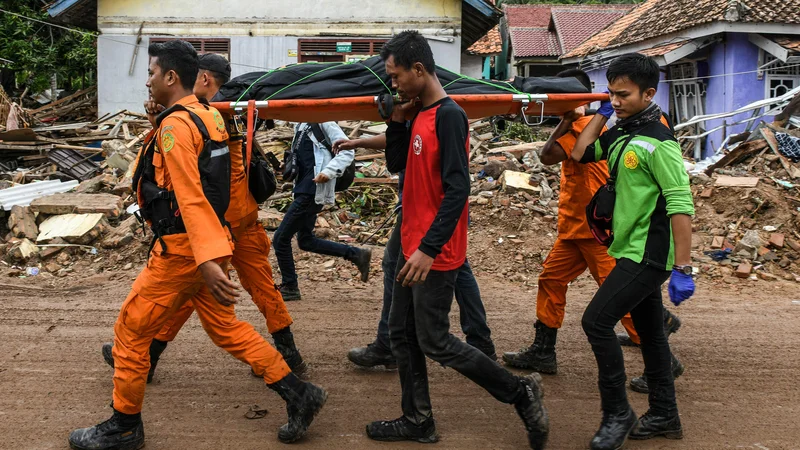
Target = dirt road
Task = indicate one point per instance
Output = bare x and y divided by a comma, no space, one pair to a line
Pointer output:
740,344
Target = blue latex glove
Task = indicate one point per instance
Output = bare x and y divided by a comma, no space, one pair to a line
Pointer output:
681,287
606,109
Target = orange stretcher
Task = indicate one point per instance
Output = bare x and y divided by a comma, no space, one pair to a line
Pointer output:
529,106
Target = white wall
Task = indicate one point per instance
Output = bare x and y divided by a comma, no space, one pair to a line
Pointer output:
117,90
472,66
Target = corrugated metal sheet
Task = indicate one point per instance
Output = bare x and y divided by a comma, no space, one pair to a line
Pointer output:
25,194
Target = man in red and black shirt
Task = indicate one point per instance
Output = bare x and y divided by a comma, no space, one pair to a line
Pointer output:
434,154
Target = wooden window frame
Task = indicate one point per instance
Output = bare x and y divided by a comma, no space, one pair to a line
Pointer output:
375,46
200,44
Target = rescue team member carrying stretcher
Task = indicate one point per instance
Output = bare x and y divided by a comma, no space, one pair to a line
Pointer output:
182,181
652,234
251,242
574,250
434,152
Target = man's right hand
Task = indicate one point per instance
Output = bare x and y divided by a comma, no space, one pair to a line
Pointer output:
406,110
152,109
344,144
223,289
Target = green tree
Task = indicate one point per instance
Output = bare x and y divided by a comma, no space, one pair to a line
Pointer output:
35,51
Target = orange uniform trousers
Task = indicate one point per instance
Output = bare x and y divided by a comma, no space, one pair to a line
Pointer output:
252,247
161,289
566,261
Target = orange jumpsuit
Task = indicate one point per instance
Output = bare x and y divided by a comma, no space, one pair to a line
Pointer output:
575,248
251,248
171,279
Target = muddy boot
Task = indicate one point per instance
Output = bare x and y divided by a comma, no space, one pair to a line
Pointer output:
540,356
626,341
108,357
671,323
303,402
614,430
531,410
372,355
639,384
651,425
361,260
290,293
120,432
156,348
403,429
284,343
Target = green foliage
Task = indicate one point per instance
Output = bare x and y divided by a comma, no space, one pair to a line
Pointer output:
37,51
521,132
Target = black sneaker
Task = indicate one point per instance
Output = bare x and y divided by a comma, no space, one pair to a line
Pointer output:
371,356
361,260
109,435
532,412
290,293
639,384
403,430
626,341
651,425
614,430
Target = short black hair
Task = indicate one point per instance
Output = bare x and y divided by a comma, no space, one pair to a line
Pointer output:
579,74
220,77
409,47
179,56
642,70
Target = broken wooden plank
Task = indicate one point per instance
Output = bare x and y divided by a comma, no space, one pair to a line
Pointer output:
738,154
71,203
729,181
513,181
516,150
370,157
773,144
22,222
375,180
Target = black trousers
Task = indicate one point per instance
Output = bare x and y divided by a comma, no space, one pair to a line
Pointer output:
634,287
419,326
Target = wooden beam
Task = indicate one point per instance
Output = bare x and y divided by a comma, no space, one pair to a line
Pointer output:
375,180
60,101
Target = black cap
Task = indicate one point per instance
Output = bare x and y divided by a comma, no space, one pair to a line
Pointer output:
215,63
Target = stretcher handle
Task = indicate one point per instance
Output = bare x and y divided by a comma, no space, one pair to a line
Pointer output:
524,110
251,125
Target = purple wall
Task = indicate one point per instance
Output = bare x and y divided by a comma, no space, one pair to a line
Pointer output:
733,55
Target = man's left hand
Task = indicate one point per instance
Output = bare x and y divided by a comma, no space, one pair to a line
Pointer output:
681,287
416,269
321,178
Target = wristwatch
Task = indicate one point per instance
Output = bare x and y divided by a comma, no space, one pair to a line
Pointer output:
686,269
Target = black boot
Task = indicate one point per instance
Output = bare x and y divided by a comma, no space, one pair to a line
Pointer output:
108,356
303,402
372,355
361,259
540,356
284,343
626,341
614,430
639,384
156,348
651,425
487,349
403,429
290,293
120,432
532,412
671,323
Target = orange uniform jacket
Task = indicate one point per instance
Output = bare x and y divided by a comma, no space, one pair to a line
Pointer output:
178,146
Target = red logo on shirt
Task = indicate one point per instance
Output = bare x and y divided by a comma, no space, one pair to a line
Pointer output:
417,144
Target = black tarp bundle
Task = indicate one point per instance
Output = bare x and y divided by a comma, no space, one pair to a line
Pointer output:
368,77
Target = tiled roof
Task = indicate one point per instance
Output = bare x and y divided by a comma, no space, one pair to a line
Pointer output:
551,30
789,43
656,18
488,44
664,49
534,42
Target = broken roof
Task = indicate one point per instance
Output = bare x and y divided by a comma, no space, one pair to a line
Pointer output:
656,18
489,44
552,30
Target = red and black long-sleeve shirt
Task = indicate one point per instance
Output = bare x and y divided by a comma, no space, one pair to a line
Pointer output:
434,153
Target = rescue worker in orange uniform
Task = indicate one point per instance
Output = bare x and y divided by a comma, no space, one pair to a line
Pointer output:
575,248
251,243
182,181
